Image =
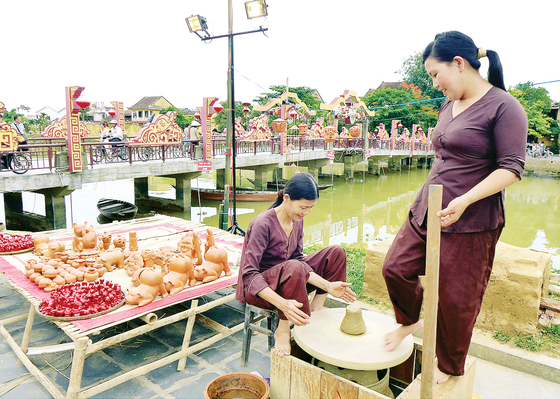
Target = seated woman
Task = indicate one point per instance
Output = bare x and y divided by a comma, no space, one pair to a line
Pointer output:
274,274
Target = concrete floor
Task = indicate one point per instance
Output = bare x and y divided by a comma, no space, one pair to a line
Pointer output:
492,381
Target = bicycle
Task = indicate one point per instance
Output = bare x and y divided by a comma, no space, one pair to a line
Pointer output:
18,162
110,153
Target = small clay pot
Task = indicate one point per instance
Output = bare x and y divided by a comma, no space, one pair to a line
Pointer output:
91,274
100,269
59,280
89,262
64,256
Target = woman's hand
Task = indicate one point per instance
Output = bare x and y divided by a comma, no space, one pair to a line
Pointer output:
292,311
453,211
340,289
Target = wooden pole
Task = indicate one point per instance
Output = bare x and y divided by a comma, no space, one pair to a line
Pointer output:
431,290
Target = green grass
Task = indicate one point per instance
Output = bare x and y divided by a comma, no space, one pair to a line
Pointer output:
546,340
554,296
355,267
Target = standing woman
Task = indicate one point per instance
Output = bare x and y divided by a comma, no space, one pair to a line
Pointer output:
274,274
479,144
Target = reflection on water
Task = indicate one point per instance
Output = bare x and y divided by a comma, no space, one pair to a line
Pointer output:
356,213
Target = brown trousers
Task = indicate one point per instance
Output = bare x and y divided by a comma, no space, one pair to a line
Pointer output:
289,279
466,261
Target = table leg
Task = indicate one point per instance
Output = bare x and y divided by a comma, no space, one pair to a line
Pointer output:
187,338
27,331
77,368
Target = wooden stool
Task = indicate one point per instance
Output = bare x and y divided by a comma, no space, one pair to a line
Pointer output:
253,316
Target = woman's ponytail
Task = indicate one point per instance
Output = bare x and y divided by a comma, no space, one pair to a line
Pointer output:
495,71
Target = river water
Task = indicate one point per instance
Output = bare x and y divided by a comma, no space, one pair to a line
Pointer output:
357,213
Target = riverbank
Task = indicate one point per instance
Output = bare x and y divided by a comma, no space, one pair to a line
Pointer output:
539,167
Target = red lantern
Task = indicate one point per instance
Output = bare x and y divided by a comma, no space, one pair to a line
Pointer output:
218,107
376,130
330,134
197,115
82,102
271,112
293,114
246,109
420,129
302,129
355,131
399,125
112,112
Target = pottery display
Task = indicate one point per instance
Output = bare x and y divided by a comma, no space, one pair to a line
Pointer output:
111,259
133,263
119,242
190,245
91,274
132,241
180,272
215,261
150,285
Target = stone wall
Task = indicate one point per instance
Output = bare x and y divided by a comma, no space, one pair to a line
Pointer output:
511,303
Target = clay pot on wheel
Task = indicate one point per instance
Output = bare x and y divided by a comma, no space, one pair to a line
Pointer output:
91,274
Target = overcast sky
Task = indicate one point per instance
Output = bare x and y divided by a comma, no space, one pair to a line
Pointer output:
125,50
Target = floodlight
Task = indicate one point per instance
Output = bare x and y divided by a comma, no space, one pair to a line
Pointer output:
196,23
256,9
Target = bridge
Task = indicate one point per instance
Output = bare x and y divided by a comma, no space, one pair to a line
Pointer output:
48,173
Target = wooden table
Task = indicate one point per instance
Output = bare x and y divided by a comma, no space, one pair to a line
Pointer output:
82,345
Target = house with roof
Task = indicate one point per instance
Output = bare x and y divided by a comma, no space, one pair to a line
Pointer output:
49,111
385,85
142,111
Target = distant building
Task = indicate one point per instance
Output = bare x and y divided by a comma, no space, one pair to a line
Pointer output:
50,112
385,85
142,111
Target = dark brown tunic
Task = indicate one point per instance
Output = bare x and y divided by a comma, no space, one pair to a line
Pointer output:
271,259
491,134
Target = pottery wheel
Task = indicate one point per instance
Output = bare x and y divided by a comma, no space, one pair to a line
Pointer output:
323,339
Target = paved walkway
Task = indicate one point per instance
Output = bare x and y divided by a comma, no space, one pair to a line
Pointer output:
492,381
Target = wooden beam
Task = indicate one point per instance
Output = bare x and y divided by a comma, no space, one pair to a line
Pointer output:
431,289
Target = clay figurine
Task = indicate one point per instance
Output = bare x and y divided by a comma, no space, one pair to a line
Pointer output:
133,263
216,261
41,244
119,242
106,238
89,238
190,246
151,284
111,258
77,244
180,272
132,241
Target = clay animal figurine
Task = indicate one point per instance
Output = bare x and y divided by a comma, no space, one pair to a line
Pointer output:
216,261
55,247
151,284
119,242
89,238
180,272
77,244
133,263
41,244
190,246
106,237
112,258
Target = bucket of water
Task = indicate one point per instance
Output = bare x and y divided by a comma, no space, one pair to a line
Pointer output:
237,385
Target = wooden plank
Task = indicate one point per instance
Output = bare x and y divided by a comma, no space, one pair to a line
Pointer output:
306,381
431,289
551,304
453,388
333,386
280,376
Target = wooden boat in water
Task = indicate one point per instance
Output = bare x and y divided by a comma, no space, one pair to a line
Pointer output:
240,195
280,184
116,209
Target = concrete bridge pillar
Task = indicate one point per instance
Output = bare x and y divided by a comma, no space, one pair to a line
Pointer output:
182,199
220,179
373,166
55,211
261,176
314,166
395,164
349,165
278,174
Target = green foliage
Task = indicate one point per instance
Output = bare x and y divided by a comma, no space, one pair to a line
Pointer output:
221,119
536,102
39,124
414,72
305,94
545,340
181,119
424,114
83,114
501,336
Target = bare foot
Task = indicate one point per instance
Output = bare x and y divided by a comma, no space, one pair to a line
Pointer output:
395,337
282,336
439,376
317,302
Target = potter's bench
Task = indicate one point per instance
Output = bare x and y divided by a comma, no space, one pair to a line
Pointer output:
152,232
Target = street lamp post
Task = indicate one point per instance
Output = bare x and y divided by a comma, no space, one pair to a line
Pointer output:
196,24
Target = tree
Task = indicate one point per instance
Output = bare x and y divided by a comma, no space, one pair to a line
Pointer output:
537,103
414,72
401,104
181,119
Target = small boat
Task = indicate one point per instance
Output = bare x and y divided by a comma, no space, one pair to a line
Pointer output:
240,195
276,186
116,209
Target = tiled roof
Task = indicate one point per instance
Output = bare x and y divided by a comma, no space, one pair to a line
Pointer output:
147,103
